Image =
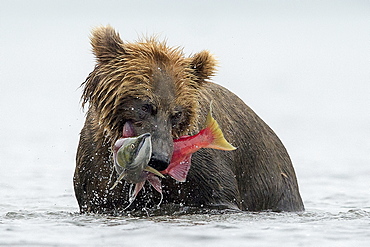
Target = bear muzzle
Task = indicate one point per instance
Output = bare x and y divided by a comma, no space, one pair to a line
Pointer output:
159,162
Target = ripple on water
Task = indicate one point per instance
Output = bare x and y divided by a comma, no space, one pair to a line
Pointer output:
215,227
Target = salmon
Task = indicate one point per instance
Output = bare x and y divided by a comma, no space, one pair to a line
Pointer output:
185,146
131,156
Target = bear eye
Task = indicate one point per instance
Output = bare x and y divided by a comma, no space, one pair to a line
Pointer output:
145,110
176,117
148,108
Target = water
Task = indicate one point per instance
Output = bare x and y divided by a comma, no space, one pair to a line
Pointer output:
65,227
302,66
31,213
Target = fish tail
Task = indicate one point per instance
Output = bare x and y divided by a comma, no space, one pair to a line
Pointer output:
219,141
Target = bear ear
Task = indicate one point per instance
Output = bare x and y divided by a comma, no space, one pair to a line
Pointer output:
203,65
106,43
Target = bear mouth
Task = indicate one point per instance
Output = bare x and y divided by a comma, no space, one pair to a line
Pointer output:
159,164
157,161
128,130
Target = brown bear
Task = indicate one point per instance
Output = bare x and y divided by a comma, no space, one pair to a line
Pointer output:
160,91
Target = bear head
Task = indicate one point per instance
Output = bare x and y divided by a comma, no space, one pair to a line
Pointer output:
149,86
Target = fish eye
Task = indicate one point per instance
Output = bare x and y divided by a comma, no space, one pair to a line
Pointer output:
132,146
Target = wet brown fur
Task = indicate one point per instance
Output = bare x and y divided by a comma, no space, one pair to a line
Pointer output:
257,176
124,71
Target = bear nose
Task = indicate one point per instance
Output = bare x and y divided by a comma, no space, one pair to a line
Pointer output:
159,162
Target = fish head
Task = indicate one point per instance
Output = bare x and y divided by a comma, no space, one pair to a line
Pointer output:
131,155
143,150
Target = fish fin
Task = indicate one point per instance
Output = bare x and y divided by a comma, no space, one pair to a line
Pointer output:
118,180
114,185
133,194
180,170
152,170
219,141
137,189
155,182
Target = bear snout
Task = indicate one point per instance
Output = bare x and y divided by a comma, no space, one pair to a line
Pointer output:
162,142
159,162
